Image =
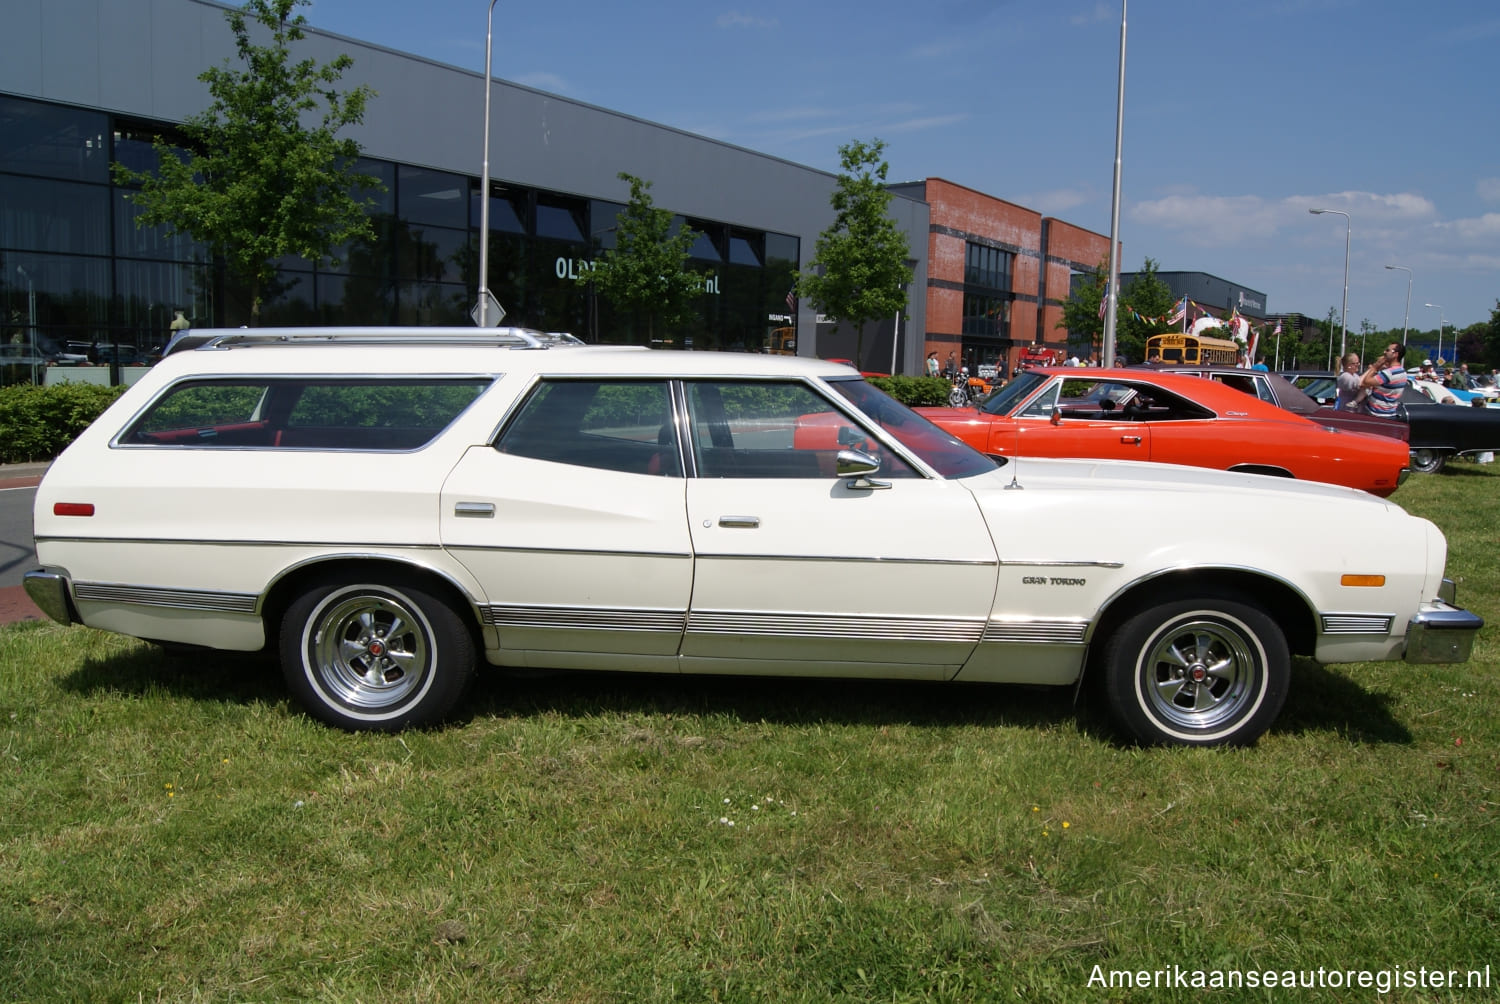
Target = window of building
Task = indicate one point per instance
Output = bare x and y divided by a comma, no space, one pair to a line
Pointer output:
986,315
507,208
51,141
560,219
988,267
433,197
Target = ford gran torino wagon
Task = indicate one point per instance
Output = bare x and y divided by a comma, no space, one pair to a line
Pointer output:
390,509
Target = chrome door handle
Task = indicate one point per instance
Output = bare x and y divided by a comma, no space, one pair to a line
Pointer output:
474,510
740,522
1131,440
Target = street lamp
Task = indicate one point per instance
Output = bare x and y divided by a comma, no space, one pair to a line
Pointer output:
1407,316
1344,313
1439,307
482,308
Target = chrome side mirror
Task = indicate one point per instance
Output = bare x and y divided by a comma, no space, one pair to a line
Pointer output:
856,464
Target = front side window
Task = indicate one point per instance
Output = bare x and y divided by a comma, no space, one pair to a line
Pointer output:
769,429
612,425
304,413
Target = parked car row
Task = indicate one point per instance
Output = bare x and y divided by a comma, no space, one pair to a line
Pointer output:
388,509
1436,431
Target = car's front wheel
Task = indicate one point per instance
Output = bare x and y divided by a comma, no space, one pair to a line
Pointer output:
1211,670
1426,461
373,655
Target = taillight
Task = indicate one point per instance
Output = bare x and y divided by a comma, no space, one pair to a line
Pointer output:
72,508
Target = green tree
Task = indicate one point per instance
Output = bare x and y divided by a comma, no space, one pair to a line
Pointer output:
859,272
647,269
256,183
1145,304
1491,337
1081,313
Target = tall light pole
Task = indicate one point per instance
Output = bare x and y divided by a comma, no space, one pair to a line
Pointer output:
1112,291
482,311
1439,307
1407,317
1344,312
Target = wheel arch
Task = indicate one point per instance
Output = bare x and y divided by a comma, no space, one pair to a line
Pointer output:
295,580
1286,605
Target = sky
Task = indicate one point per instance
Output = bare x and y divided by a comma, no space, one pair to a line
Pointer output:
1238,117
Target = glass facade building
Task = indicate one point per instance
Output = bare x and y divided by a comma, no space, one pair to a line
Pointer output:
77,269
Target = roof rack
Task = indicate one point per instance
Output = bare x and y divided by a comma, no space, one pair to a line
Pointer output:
515,338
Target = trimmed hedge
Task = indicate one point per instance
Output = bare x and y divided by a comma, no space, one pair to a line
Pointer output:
915,392
37,423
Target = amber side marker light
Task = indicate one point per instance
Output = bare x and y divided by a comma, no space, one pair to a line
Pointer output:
1362,580
72,508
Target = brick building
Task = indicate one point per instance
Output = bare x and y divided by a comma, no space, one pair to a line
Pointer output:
997,274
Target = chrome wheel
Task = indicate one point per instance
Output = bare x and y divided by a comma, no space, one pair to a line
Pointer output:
371,651
1199,673
1426,461
374,655
1212,670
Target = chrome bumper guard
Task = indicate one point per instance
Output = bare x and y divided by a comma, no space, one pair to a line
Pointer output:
1443,634
50,592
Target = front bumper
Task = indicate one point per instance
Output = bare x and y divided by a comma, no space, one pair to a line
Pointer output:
1444,632
51,594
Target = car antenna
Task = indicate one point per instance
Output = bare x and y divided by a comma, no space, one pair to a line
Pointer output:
1015,467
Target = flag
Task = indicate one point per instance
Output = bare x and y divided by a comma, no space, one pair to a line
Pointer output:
1178,312
1278,328
1104,302
791,299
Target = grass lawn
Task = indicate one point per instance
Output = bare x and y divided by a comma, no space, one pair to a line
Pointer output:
172,829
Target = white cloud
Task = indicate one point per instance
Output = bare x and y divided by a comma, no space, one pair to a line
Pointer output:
1481,232
1220,220
1057,201
1101,12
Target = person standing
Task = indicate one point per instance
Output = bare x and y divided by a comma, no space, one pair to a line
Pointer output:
1351,392
1384,381
932,364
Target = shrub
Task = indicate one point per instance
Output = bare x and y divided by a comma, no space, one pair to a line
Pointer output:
36,423
915,392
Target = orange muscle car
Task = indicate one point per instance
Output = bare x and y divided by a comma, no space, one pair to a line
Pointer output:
1162,417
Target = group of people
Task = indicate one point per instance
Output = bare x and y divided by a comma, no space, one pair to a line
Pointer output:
1376,390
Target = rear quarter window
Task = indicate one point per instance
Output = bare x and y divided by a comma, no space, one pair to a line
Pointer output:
384,415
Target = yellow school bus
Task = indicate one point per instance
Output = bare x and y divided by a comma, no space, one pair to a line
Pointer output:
1179,347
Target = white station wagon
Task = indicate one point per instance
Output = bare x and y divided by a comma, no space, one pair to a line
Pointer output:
385,508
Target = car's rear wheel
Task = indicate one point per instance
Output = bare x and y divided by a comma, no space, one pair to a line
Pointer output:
1211,670
379,656
1427,461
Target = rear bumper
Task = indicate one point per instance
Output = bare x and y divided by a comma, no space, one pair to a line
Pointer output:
51,593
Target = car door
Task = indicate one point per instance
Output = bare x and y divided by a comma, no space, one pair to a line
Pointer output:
799,570
1075,417
573,522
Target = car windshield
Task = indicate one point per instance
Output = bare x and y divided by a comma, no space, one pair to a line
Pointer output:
943,452
1004,400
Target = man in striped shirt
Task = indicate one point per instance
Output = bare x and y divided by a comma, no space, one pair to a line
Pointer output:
1385,380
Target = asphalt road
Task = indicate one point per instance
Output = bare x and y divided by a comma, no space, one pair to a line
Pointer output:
17,551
